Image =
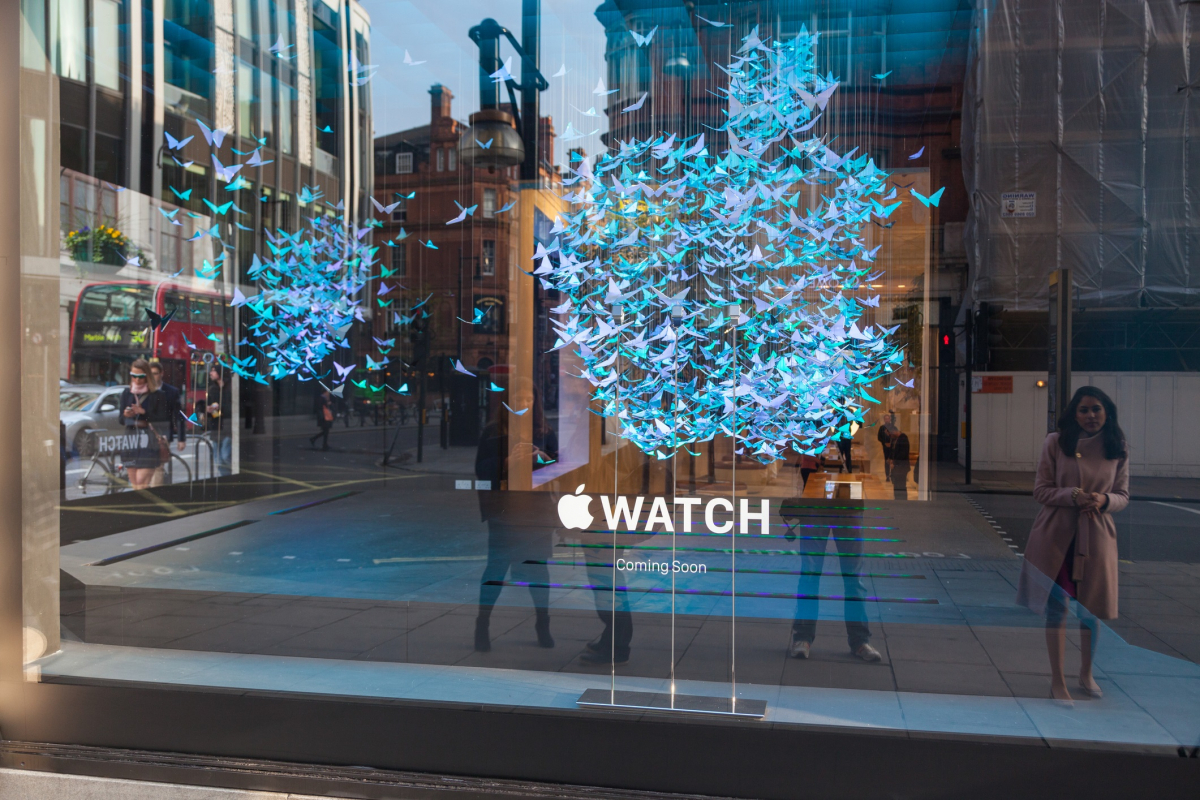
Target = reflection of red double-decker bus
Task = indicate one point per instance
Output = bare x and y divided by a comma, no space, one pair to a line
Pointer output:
110,329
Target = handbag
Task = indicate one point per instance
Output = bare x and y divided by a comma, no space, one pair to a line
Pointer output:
164,448
327,413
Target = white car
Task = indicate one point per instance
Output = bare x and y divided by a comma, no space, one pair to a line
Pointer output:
83,408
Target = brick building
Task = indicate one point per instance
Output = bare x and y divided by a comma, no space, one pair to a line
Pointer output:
467,269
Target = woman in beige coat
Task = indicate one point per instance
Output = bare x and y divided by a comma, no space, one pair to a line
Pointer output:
1082,480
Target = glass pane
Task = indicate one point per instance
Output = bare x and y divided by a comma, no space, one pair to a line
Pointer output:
71,39
107,43
730,356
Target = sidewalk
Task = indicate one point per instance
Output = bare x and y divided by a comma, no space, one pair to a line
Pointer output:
952,478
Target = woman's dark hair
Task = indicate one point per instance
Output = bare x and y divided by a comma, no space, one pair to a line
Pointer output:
1069,430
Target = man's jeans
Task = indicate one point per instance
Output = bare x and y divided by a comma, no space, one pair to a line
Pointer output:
804,629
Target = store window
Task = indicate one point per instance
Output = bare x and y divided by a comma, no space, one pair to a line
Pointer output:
107,61
487,259
838,374
400,261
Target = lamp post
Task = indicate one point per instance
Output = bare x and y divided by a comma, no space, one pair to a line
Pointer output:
499,138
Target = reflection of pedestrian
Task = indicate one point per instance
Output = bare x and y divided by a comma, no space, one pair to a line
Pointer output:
804,628
901,465
612,607
1082,480
219,415
324,419
143,410
887,432
176,424
808,465
844,444
516,540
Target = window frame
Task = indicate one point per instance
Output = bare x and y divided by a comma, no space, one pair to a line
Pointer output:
487,267
126,729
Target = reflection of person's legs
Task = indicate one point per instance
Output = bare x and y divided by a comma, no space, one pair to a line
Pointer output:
804,626
1056,641
536,547
498,560
225,456
899,483
138,478
158,477
1089,637
850,559
615,639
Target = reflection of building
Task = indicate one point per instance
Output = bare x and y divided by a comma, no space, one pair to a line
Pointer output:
1104,190
476,307
468,272
272,74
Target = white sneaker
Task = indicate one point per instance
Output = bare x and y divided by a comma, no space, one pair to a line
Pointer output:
799,649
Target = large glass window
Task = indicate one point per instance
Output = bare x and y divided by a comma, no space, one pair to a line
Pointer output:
247,102
819,364
107,43
70,40
287,102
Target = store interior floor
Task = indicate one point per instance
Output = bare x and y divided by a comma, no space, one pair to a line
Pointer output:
358,583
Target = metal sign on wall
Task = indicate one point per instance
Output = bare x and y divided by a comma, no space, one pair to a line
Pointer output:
992,384
1018,204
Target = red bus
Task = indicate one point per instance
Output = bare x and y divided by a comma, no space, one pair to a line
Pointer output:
110,329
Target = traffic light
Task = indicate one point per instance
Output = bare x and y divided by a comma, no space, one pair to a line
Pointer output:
987,334
420,341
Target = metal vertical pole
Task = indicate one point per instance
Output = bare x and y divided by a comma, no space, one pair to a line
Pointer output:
967,434
530,102
421,414
1059,341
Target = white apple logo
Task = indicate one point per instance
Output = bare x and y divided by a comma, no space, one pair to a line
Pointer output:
573,509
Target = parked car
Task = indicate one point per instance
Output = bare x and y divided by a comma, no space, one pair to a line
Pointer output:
84,408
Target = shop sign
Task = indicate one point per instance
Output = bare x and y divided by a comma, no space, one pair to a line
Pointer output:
622,513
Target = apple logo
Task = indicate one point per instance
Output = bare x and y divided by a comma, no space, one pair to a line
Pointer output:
573,509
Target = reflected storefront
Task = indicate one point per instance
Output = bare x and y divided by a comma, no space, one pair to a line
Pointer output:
619,372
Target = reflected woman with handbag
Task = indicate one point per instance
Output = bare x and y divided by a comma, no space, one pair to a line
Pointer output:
143,409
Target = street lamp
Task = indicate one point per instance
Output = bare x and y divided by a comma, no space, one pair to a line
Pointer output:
499,138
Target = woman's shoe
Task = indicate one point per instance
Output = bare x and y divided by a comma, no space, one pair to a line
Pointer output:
1095,694
1067,702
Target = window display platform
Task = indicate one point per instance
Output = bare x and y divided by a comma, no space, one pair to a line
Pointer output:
1152,702
330,593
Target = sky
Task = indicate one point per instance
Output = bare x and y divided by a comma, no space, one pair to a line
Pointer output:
435,32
